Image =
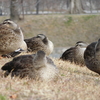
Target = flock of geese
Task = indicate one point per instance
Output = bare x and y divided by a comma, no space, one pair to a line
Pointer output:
38,65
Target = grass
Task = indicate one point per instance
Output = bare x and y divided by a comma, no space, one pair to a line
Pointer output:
86,18
2,97
75,82
69,21
67,29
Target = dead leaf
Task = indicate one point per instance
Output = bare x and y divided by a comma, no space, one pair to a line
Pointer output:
14,96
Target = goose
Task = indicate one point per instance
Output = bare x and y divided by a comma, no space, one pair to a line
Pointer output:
11,37
92,56
75,54
34,66
39,42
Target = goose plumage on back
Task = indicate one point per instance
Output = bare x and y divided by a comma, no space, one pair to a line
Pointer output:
11,37
92,56
75,54
34,66
39,42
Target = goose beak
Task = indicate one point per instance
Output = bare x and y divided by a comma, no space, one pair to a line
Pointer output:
7,25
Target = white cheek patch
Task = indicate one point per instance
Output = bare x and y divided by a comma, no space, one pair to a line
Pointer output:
17,50
51,45
83,49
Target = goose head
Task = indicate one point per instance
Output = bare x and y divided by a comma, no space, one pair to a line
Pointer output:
47,42
81,44
43,38
40,59
9,23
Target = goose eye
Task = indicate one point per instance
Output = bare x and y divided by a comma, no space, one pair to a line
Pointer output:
9,23
38,36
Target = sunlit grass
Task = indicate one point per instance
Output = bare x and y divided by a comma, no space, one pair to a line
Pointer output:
2,97
74,83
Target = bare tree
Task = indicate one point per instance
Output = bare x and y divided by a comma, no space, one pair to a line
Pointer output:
37,7
75,7
90,5
22,8
14,13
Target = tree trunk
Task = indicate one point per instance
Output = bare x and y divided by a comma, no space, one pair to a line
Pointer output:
90,6
37,7
75,7
14,13
22,9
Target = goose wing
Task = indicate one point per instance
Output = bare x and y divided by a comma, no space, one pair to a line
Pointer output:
68,54
9,40
18,65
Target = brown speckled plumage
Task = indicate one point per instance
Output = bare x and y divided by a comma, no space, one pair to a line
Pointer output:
11,37
75,54
40,42
92,56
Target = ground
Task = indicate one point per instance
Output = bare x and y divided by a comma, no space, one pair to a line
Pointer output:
75,82
63,30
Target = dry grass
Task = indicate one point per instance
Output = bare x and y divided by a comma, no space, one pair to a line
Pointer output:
74,83
68,29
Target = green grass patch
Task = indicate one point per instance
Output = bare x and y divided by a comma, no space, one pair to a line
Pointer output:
69,21
3,97
62,75
86,18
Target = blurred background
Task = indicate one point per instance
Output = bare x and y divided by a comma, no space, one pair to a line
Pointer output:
64,22
50,6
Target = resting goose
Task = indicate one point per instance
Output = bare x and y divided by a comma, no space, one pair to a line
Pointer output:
40,42
75,54
92,56
35,66
11,37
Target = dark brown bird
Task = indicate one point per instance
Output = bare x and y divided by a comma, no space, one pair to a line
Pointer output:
75,54
11,37
40,42
92,56
35,66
